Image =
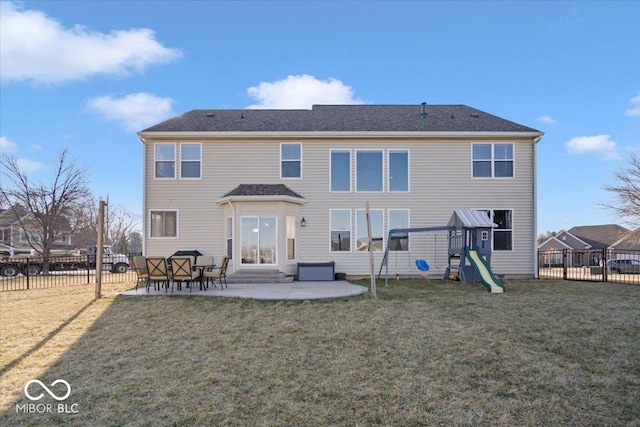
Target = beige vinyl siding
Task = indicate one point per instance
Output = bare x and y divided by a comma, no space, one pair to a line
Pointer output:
440,181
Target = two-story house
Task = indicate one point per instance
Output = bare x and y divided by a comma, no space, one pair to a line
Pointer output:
272,188
19,230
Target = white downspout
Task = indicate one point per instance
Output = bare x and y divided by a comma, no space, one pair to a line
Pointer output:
233,232
535,206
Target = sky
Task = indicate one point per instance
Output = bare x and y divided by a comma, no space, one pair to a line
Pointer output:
87,75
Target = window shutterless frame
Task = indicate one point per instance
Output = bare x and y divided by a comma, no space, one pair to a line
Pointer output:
492,160
399,173
340,171
164,160
190,161
290,160
163,224
370,170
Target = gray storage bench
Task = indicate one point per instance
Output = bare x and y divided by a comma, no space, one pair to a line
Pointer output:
313,271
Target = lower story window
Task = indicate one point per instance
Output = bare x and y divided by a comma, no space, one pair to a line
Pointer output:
340,230
503,233
291,237
377,230
164,224
258,238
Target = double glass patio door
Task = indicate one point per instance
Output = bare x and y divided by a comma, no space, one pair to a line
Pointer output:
259,237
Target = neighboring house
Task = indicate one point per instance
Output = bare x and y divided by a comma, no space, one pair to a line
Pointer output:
581,241
272,188
629,242
13,239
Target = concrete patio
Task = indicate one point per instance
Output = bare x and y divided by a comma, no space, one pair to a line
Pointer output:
265,291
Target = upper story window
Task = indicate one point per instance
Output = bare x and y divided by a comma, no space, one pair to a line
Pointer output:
290,160
190,160
492,160
164,224
369,170
165,159
341,170
5,234
398,170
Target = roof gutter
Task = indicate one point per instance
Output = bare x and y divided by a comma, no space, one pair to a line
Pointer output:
347,134
229,199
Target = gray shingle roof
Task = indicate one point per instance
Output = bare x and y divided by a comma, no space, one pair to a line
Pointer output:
342,118
599,236
263,190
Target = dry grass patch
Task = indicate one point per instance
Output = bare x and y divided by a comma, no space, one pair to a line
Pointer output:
544,353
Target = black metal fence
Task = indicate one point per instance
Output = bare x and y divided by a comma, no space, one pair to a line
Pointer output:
20,273
594,265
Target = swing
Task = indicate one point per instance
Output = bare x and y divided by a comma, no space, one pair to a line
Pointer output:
423,266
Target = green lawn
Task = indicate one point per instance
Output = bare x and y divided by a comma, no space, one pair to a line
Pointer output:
542,354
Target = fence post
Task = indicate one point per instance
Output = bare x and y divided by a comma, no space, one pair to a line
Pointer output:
564,264
605,266
27,271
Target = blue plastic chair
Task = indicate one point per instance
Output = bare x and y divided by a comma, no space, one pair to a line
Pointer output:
423,266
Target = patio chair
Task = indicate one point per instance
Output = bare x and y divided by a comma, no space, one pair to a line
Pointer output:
158,272
205,263
140,264
220,273
183,272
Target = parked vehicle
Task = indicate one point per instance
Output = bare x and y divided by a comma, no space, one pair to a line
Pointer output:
33,264
622,266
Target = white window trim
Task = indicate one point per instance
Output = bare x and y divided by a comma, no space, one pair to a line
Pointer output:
295,238
388,172
199,144
341,150
350,231
277,254
177,224
155,161
355,237
381,151
408,211
512,229
493,160
290,160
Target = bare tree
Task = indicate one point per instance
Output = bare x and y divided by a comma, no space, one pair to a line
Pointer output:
42,210
626,191
122,224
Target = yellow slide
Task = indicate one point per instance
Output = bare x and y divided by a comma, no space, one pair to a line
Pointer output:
483,271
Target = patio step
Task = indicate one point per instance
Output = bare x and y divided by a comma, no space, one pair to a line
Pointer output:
258,276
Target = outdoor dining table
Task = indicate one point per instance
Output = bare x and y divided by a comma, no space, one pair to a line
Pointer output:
203,267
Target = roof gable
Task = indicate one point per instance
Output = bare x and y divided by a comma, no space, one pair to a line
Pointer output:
470,219
267,192
599,236
343,118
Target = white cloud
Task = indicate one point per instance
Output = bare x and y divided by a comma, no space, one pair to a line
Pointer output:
7,146
599,144
301,92
134,111
10,148
27,166
547,119
37,47
635,110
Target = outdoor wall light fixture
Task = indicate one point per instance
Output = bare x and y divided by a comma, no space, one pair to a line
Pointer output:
303,222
